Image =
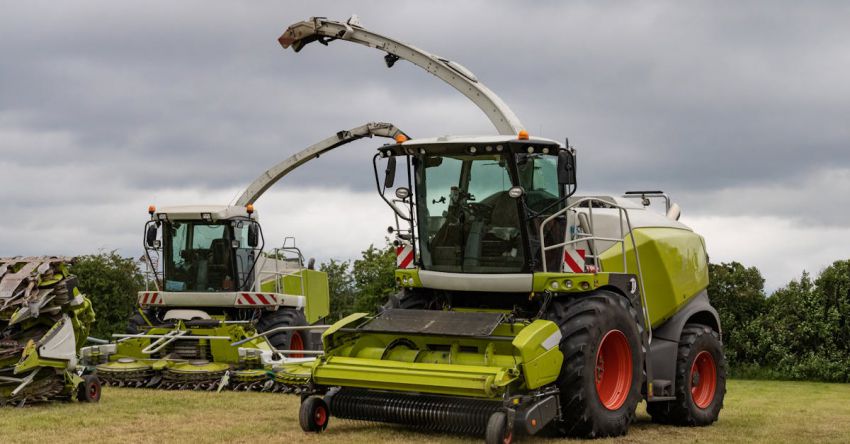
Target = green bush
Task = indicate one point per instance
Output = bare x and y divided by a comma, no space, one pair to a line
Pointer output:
361,286
341,288
737,292
111,283
802,331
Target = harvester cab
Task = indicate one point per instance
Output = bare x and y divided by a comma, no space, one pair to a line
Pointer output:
478,204
521,306
212,257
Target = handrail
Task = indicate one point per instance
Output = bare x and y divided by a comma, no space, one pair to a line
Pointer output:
591,238
160,343
280,329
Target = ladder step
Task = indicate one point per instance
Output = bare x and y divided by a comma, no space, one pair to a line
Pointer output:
662,389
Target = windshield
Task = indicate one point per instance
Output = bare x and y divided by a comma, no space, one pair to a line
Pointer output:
201,256
468,223
539,178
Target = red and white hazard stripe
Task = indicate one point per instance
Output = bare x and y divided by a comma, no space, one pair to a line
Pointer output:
574,260
258,299
150,298
404,256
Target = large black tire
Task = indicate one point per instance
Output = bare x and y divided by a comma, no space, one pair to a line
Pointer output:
89,389
286,340
137,323
699,390
314,414
603,369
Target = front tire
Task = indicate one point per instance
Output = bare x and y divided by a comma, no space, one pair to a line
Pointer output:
602,373
314,414
497,429
89,390
412,300
700,380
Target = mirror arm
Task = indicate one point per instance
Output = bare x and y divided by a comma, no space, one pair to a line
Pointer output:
250,274
381,190
156,275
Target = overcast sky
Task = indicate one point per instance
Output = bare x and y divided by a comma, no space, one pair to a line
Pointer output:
739,110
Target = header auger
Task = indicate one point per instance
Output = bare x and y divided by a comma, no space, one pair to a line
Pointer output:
522,306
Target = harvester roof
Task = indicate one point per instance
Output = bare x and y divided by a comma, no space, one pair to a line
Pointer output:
483,144
196,212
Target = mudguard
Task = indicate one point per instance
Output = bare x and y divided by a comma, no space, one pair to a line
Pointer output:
665,339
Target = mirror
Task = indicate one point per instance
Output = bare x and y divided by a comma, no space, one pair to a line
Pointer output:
253,235
389,177
566,167
150,236
433,161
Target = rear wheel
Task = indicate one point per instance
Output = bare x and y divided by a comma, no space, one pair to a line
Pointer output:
286,340
89,389
314,414
700,380
602,373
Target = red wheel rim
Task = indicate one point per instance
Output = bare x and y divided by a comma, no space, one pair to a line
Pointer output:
93,391
613,370
296,343
320,416
703,379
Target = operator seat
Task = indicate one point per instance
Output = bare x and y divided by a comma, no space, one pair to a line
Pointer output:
219,265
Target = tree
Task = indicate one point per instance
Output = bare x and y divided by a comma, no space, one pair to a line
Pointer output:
804,329
374,278
341,286
111,283
737,292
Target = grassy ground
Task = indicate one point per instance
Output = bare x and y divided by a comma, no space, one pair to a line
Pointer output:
759,411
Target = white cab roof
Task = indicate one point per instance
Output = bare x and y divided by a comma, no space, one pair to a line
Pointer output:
193,212
472,140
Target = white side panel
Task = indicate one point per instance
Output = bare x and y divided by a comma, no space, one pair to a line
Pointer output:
476,282
606,221
225,299
62,344
187,299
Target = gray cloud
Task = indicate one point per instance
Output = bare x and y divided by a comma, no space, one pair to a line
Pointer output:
732,110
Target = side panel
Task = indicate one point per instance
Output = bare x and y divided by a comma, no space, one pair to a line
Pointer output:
674,265
315,290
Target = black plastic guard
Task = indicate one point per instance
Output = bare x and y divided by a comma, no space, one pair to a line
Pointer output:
434,322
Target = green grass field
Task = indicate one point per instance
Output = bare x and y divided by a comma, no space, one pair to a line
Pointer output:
761,411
